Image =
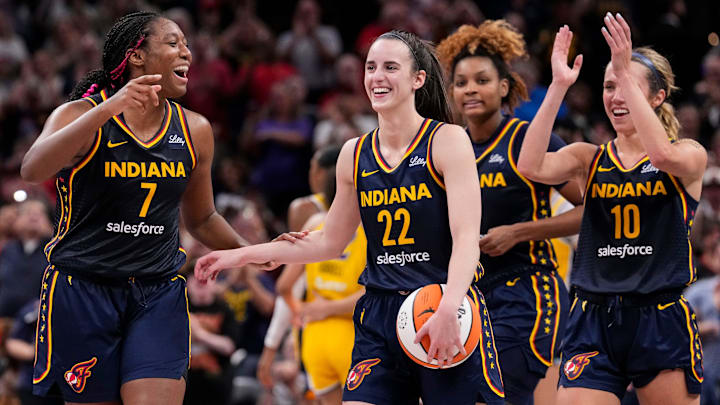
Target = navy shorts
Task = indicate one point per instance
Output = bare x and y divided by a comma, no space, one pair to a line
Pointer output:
529,313
94,337
382,373
611,342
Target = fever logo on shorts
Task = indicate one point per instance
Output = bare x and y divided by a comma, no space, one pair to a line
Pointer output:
574,367
77,376
358,373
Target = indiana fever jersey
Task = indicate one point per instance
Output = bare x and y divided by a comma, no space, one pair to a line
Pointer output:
508,197
635,229
118,208
404,213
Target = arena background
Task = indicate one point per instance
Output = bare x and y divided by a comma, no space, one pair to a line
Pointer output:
255,71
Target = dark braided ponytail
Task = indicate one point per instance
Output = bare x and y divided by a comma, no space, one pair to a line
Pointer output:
127,34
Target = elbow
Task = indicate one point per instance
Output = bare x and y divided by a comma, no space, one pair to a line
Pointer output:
29,173
661,159
525,170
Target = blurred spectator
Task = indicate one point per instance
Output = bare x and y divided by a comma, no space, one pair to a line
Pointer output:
311,47
23,260
393,15
528,70
689,116
8,216
349,72
345,119
20,347
214,332
283,137
709,89
13,53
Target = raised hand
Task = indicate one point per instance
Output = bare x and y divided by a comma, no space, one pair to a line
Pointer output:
617,35
563,74
139,93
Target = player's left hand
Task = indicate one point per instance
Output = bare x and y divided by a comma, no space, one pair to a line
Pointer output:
617,35
210,265
291,237
314,311
499,240
443,329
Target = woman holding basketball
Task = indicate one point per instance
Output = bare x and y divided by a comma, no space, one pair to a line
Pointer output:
628,321
526,298
417,200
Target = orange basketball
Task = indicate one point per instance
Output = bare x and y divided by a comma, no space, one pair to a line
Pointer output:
418,307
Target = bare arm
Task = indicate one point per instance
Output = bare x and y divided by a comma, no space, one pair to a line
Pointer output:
340,225
686,159
572,161
198,208
20,350
70,130
455,160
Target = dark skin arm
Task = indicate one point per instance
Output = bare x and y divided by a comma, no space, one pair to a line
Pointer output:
500,239
198,207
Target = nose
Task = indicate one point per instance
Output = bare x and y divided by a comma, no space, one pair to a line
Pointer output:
185,52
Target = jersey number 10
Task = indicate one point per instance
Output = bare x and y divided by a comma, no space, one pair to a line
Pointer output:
627,221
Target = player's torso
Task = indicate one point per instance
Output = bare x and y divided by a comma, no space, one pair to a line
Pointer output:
635,229
509,198
118,208
404,214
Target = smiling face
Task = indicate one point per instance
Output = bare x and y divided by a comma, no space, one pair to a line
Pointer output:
477,88
167,53
390,75
614,101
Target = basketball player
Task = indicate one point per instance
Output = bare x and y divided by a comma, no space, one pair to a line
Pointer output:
113,323
628,321
418,201
526,298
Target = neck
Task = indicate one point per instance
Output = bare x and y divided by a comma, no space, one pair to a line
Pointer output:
483,127
629,143
399,126
147,121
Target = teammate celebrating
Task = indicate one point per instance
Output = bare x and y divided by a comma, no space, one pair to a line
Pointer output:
628,321
418,201
113,322
526,298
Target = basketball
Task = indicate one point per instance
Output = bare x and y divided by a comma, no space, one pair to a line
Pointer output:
418,307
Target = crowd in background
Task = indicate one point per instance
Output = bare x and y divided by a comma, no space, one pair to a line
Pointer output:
280,79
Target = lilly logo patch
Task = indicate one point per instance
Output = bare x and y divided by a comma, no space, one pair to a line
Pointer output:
78,375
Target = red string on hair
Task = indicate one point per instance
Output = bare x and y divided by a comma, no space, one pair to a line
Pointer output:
118,71
91,90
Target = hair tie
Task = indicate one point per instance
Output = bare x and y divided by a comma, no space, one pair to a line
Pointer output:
638,57
118,71
91,90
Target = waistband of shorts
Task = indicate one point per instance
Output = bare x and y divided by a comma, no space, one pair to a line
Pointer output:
492,280
627,300
381,291
117,281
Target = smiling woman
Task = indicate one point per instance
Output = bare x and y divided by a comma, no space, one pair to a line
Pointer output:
127,159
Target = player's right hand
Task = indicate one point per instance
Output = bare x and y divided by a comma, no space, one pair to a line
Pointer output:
264,367
210,265
139,93
562,74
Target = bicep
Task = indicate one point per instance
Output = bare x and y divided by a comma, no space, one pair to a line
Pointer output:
689,160
344,215
572,191
569,163
197,201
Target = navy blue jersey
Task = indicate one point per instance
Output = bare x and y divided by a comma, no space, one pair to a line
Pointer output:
404,213
635,229
118,207
508,197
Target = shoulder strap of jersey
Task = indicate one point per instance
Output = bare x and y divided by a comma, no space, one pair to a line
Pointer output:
430,165
593,167
356,155
186,132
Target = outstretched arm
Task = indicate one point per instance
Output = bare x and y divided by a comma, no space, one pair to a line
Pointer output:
340,225
686,159
535,162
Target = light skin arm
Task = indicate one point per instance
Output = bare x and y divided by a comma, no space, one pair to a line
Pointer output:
455,160
686,159
321,308
20,350
502,238
340,225
70,130
570,162
198,208
217,343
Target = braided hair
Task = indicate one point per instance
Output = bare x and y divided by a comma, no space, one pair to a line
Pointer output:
126,35
496,39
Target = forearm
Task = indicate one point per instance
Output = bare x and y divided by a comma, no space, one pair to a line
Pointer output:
565,224
51,153
217,343
346,305
215,233
535,145
279,324
20,350
312,248
461,270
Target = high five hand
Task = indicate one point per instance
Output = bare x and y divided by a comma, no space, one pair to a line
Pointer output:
562,73
617,36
